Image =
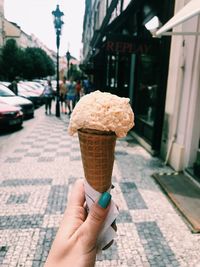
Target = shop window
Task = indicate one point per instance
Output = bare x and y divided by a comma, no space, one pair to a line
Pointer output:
147,89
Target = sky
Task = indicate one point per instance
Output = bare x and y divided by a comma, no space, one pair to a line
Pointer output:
35,17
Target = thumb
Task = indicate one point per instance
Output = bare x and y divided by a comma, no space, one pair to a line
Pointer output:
97,215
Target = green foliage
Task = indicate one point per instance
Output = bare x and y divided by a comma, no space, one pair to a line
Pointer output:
75,72
29,63
10,60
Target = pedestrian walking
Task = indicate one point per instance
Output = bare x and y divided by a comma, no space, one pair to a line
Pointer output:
78,90
13,86
48,96
87,86
71,95
63,93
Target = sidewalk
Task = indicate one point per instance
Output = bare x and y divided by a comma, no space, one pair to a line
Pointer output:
40,163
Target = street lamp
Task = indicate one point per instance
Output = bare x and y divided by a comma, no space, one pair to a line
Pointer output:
58,26
68,56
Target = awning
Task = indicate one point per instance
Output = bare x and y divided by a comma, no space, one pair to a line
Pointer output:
187,12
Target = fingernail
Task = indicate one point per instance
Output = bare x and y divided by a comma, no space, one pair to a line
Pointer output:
104,200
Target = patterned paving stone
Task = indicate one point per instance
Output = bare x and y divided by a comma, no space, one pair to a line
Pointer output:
36,178
3,251
57,199
124,217
26,143
46,237
49,150
33,155
109,254
20,150
25,182
62,154
157,250
35,146
132,196
46,159
78,158
18,199
13,159
21,221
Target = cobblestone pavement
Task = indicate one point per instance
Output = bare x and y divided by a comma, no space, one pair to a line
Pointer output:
40,163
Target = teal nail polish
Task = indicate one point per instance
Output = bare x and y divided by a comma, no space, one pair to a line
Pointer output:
104,200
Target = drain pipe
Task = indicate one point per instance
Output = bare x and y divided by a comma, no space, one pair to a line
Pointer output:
178,101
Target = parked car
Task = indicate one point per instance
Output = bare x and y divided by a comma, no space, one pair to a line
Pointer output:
24,91
7,96
27,92
10,116
35,87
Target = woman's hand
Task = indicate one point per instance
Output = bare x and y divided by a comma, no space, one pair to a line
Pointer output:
75,242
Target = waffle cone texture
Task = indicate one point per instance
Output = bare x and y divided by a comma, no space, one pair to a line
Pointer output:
97,152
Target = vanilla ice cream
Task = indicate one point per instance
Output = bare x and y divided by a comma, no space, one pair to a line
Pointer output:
104,112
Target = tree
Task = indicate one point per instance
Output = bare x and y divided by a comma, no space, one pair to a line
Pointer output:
10,60
38,64
29,63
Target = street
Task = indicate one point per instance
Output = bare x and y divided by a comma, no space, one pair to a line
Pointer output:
39,164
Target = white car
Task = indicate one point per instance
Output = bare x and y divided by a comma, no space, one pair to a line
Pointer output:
8,97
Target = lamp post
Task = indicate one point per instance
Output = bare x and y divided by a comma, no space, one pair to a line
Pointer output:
68,56
58,26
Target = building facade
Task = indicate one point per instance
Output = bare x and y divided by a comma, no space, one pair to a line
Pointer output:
123,58
181,131
159,75
10,30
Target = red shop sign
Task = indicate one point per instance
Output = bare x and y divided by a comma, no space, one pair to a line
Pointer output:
126,47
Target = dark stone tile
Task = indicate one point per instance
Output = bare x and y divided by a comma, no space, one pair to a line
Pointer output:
157,250
20,150
72,179
36,146
18,199
21,221
124,217
41,140
75,149
45,240
73,158
65,145
3,251
49,149
129,165
57,199
27,143
32,155
13,160
132,196
25,182
62,154
52,143
57,136
46,159
32,136
37,264
109,254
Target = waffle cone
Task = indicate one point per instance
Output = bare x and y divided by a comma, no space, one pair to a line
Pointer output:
97,152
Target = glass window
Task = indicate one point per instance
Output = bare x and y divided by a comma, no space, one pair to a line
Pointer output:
5,91
147,89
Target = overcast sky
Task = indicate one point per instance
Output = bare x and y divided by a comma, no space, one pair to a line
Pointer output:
34,16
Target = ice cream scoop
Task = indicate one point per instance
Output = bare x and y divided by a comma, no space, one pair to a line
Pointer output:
104,112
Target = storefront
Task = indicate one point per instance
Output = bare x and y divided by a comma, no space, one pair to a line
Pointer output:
181,133
129,62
